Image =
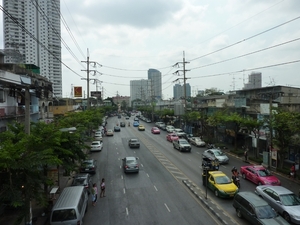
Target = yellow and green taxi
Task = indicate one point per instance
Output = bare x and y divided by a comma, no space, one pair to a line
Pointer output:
221,184
141,127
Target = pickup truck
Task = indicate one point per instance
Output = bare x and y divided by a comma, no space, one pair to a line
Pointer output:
182,145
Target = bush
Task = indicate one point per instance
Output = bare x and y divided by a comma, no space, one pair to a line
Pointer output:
238,152
283,171
257,160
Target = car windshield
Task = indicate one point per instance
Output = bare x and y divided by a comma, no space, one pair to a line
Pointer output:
197,139
87,163
218,153
265,212
134,140
222,180
95,143
63,215
290,200
79,181
264,173
131,161
183,142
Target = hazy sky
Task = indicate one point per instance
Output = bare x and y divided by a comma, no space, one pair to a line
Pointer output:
223,40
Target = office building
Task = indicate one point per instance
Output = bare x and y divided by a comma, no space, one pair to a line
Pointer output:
40,43
156,88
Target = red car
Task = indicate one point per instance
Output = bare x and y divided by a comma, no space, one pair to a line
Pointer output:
172,137
155,130
259,175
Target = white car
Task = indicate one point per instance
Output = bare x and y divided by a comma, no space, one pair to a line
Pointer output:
176,130
96,146
98,137
170,129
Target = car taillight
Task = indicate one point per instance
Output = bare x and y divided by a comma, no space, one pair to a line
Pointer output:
78,222
126,167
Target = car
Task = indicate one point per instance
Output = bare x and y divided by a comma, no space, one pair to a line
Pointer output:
83,179
122,124
170,129
180,134
284,201
136,119
197,141
141,128
88,166
218,154
259,175
130,165
221,184
98,137
172,137
155,130
176,130
136,123
109,132
134,143
255,210
127,118
182,145
162,126
119,116
148,120
96,146
157,124
117,129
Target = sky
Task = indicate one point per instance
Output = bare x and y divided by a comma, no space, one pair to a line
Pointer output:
222,41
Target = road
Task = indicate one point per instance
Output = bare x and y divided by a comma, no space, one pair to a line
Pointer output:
157,194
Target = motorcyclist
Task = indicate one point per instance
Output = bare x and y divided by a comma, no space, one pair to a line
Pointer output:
129,124
235,174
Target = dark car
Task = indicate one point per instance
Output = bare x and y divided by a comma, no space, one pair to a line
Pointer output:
130,165
88,166
122,124
117,129
134,143
83,179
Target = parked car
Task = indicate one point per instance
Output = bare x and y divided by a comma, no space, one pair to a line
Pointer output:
148,120
197,141
98,137
130,165
180,134
284,201
136,123
162,127
170,129
221,184
182,145
177,130
134,143
122,124
88,166
218,154
155,130
255,210
109,132
259,175
157,124
117,129
172,137
96,146
141,127
83,179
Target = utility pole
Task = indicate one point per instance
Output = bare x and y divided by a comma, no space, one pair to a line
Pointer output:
184,77
88,77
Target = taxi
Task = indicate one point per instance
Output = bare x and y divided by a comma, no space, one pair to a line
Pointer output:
221,184
141,127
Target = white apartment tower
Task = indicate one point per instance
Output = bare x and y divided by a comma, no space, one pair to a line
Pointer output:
140,89
156,89
32,29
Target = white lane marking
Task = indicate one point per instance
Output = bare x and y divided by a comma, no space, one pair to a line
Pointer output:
198,153
118,158
117,153
142,165
189,159
124,190
148,175
155,188
122,177
120,167
127,211
167,207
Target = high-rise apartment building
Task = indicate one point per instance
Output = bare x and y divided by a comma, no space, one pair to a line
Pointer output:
254,81
40,44
140,89
178,91
156,88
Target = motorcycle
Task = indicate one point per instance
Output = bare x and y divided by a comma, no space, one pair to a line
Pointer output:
129,124
210,146
236,181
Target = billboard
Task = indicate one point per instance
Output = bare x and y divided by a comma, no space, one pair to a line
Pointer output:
77,91
96,94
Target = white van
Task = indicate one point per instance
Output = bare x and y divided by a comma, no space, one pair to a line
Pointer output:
70,207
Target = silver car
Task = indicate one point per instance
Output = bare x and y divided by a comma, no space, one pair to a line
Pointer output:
217,153
284,201
96,146
197,141
130,165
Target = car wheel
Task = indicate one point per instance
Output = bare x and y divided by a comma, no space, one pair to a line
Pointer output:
216,193
238,213
259,184
244,176
287,217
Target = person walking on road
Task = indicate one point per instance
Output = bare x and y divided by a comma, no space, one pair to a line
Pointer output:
246,155
293,171
102,186
94,194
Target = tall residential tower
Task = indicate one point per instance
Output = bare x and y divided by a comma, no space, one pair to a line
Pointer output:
32,29
156,88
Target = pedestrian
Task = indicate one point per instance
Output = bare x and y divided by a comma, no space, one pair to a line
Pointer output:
293,171
246,155
102,186
94,194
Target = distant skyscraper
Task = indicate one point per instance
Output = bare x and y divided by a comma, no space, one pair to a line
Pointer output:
178,91
41,18
140,89
254,81
156,88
